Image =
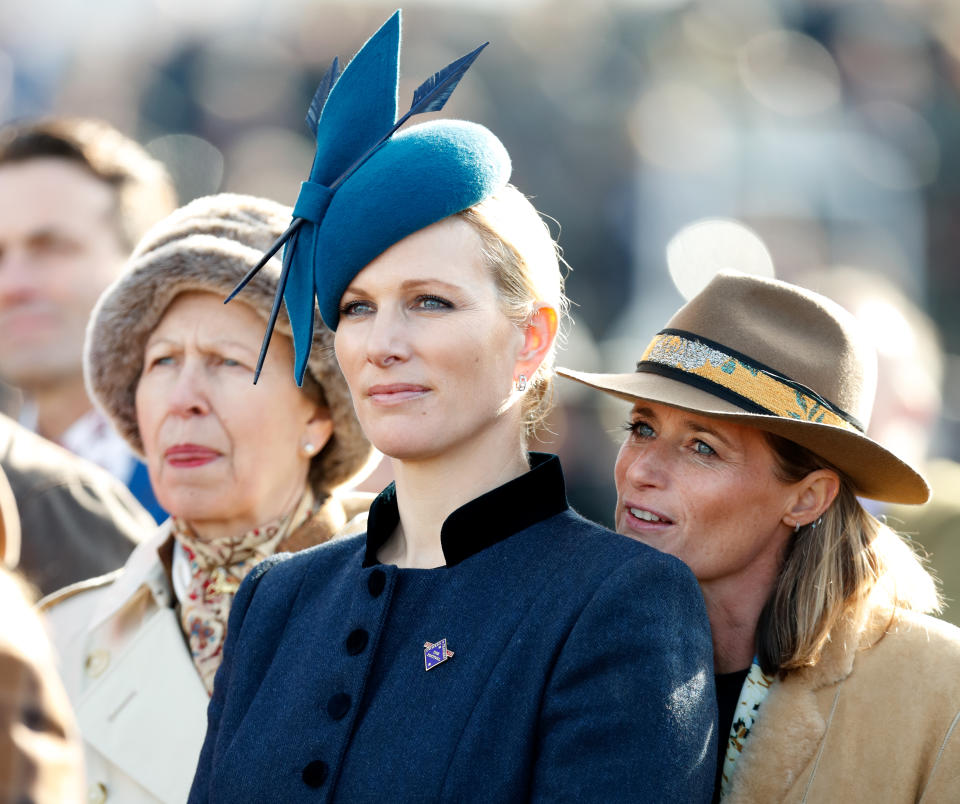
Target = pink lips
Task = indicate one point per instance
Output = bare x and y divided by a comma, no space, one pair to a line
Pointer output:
395,392
188,456
640,518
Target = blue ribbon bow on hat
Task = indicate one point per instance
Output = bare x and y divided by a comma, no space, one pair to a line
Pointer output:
370,186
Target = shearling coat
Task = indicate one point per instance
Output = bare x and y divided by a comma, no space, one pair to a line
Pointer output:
876,720
129,674
581,667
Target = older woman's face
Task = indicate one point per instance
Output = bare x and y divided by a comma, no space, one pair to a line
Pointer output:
219,449
427,352
705,491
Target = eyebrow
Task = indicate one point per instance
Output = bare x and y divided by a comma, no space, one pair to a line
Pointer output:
699,427
409,284
49,230
219,343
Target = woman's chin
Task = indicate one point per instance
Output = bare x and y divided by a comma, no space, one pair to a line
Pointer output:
406,449
196,505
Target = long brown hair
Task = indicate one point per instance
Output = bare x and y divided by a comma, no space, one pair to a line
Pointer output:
831,568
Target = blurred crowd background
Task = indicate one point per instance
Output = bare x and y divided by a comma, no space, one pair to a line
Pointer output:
828,127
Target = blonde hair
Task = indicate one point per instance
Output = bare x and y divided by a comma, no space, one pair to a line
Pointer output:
833,568
525,262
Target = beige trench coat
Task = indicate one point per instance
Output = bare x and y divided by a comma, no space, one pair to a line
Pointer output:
873,721
140,703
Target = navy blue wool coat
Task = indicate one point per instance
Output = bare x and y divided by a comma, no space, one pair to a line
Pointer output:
581,667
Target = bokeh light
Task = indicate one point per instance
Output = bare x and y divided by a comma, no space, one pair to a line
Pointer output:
701,250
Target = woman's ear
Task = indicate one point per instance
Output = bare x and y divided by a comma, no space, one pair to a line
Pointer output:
317,432
539,333
813,495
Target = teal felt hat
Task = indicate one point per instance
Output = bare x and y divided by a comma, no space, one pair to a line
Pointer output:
372,185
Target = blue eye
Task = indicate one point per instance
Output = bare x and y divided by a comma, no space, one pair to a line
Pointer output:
702,448
355,308
227,361
433,303
639,429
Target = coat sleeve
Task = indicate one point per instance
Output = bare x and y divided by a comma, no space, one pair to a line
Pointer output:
199,791
629,712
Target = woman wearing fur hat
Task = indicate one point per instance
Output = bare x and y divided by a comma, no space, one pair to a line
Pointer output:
745,457
481,641
244,471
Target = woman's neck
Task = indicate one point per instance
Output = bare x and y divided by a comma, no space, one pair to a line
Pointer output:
734,614
429,491
218,530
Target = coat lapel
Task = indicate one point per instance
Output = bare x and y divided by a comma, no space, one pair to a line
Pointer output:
148,717
793,720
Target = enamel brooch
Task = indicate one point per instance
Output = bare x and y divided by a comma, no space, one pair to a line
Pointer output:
435,653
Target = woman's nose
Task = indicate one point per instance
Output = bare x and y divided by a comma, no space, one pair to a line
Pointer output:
188,395
642,465
387,338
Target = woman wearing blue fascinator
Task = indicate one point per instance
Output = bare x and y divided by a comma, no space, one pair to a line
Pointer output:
481,641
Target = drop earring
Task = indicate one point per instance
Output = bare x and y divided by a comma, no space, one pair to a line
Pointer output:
522,383
796,527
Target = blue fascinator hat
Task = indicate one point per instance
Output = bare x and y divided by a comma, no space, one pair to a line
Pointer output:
371,184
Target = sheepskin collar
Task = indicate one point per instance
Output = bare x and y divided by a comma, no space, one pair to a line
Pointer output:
787,736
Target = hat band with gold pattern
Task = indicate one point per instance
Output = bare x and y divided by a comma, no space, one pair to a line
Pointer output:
732,376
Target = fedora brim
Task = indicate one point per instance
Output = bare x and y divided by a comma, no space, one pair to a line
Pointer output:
875,471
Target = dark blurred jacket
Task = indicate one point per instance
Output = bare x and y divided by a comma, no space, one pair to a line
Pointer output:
40,759
76,520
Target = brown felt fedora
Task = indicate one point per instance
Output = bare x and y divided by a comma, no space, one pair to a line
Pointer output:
777,357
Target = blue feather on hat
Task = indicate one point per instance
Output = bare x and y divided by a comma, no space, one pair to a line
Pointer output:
369,187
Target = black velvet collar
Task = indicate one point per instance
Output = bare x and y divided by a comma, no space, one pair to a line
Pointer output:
481,523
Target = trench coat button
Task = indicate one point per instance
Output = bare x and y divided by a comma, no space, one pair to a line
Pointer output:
376,581
338,705
96,662
97,793
357,641
315,774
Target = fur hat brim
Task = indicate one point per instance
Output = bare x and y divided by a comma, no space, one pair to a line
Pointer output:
209,245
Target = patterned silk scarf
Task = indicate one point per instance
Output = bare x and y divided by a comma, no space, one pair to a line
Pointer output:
216,571
755,689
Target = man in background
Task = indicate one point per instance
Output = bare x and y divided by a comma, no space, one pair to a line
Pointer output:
75,196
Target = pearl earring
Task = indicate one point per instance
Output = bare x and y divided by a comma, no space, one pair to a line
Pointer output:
522,382
309,449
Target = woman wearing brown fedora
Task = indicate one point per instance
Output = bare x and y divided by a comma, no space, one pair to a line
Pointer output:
745,457
245,471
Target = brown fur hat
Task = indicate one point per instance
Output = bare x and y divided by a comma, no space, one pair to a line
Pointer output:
208,245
